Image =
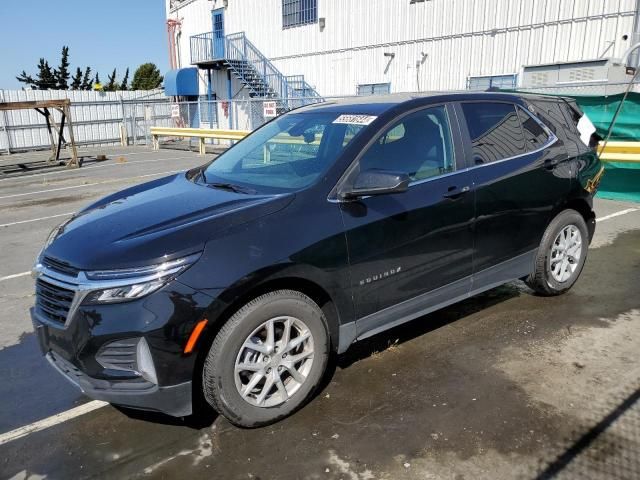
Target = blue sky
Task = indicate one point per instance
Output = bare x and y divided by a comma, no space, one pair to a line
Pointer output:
103,35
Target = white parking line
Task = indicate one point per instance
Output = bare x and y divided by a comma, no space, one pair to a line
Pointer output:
114,180
15,275
35,220
51,421
617,214
93,167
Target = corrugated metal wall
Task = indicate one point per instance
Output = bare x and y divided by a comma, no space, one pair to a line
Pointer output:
460,37
96,116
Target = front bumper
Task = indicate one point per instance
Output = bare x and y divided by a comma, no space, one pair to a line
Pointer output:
174,400
96,349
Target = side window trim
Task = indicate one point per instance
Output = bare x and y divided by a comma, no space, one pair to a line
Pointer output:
457,150
454,157
467,136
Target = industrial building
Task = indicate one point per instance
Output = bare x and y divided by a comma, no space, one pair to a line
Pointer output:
223,49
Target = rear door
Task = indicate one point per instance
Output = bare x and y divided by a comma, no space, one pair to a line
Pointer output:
520,175
404,245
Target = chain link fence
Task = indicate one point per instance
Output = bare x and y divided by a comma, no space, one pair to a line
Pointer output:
112,120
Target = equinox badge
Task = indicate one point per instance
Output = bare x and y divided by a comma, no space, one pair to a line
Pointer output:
380,276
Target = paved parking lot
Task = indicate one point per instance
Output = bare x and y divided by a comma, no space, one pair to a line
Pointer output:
503,385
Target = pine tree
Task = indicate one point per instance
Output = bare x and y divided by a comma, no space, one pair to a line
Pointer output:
46,78
86,80
111,86
146,77
24,77
62,73
124,85
76,80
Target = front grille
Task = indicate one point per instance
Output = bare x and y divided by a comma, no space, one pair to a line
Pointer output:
59,266
53,302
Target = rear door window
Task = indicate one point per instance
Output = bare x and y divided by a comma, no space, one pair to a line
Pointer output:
495,130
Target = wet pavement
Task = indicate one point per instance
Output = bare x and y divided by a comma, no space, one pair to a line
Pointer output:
503,385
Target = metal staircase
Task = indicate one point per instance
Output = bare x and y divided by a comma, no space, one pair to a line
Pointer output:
254,70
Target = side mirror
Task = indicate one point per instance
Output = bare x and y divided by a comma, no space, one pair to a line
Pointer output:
377,182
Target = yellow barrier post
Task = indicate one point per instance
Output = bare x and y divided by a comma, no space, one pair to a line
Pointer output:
620,152
200,133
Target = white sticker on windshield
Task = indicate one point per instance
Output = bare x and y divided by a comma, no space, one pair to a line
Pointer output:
355,119
586,129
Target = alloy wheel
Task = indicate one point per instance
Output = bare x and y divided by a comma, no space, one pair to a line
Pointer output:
274,361
566,251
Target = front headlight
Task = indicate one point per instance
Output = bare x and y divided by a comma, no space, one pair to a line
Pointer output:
123,294
113,286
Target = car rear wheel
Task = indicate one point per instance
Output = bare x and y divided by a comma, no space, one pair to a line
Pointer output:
561,255
267,360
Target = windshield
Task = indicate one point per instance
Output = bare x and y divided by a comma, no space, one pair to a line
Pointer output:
287,154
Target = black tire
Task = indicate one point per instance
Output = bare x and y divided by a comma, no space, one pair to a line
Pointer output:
541,280
218,375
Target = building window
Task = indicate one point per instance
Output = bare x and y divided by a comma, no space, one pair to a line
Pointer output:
374,88
492,81
299,12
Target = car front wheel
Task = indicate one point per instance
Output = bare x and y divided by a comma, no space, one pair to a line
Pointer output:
267,360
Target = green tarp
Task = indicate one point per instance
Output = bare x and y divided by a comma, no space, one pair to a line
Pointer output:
621,181
601,110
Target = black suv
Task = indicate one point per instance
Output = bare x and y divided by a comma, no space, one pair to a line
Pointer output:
236,281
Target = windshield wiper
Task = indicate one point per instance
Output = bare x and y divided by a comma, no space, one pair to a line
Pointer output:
231,187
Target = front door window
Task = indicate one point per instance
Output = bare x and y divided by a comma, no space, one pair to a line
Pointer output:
418,145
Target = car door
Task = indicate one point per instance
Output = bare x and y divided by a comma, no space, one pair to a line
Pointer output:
520,177
404,245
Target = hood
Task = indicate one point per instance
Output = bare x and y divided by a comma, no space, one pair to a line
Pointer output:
153,222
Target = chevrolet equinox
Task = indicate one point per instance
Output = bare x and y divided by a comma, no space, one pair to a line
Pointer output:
235,281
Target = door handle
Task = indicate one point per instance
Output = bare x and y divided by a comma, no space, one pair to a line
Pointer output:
455,192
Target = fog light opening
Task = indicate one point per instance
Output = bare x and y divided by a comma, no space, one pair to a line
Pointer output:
145,362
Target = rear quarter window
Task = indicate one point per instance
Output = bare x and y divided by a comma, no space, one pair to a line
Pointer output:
535,135
552,114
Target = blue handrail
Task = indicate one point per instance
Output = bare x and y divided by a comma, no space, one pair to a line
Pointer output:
201,48
239,48
254,69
